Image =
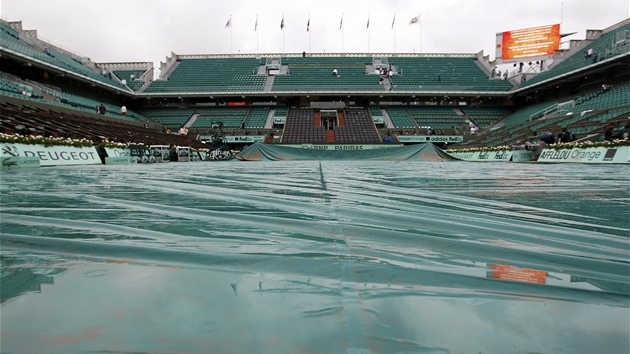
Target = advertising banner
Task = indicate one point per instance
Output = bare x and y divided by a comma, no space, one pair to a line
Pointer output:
161,153
117,152
480,156
430,138
522,155
183,154
617,154
53,155
346,147
19,162
120,160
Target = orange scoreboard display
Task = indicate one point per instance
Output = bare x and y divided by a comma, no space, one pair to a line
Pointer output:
529,43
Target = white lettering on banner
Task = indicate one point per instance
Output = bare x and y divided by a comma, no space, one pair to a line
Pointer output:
349,147
63,155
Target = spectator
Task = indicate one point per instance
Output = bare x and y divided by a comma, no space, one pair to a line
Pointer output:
335,73
146,124
429,131
388,139
102,109
123,110
626,132
98,108
548,138
565,136
183,131
609,134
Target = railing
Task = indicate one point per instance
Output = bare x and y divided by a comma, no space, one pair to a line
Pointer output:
559,108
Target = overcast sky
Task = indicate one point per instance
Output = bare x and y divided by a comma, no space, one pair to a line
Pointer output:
149,30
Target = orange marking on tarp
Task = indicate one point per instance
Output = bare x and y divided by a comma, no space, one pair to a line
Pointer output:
92,333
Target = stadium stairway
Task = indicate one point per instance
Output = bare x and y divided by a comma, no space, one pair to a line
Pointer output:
330,136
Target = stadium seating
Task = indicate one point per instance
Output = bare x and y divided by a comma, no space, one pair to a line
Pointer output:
593,110
212,75
169,118
603,47
441,119
400,117
484,116
316,74
443,74
229,116
76,126
257,118
358,128
300,128
68,100
131,77
11,39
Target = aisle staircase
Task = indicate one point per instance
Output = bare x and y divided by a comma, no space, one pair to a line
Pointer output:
330,136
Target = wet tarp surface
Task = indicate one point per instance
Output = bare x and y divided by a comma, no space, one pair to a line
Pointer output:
275,152
316,257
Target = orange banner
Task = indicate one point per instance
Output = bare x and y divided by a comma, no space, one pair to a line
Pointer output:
506,272
530,42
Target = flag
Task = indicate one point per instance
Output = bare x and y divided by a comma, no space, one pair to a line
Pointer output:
415,20
308,24
256,25
282,23
229,23
368,24
394,21
341,22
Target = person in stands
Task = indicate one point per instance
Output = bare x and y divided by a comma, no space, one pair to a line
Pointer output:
609,134
566,136
123,110
388,138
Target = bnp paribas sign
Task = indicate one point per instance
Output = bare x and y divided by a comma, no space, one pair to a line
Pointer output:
53,155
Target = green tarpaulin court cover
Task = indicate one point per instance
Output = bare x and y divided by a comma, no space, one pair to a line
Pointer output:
316,256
